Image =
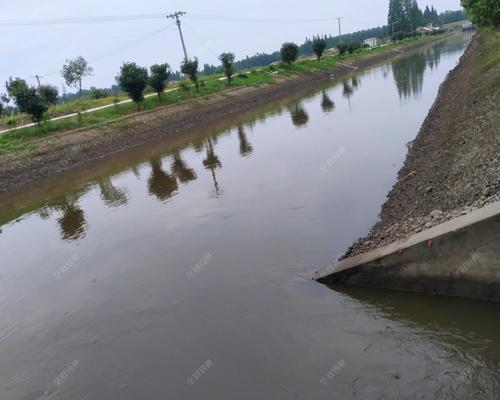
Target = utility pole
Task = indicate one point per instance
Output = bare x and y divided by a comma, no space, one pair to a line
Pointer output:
37,77
176,16
340,29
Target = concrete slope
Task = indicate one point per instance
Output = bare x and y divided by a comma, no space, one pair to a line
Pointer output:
460,257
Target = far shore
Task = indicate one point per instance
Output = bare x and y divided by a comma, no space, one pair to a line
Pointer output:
62,151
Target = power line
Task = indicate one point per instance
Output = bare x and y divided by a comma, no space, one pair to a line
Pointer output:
151,16
79,20
136,42
226,18
120,49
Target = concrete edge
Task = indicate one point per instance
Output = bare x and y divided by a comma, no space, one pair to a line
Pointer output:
443,229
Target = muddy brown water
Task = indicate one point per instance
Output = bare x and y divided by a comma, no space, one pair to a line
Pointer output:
174,271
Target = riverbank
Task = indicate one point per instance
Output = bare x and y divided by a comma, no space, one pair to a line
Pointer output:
62,151
453,166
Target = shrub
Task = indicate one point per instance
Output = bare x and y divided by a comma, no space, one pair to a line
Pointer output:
227,60
133,80
319,46
158,80
289,53
99,94
190,68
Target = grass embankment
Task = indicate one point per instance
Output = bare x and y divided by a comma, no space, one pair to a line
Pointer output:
491,56
23,138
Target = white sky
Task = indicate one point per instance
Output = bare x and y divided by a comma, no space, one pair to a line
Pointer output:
30,50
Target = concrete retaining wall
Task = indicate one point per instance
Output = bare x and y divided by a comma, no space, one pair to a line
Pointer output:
460,257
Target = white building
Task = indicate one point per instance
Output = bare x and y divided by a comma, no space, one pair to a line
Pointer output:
372,42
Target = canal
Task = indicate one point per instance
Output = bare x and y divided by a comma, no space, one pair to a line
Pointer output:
175,271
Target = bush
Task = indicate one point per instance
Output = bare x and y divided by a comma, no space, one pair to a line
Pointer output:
289,53
99,94
184,86
133,79
227,60
49,93
190,68
319,46
158,79
342,48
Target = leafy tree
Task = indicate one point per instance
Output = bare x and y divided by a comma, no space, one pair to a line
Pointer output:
27,99
35,106
2,108
17,90
74,71
353,46
133,80
483,12
435,17
319,46
227,60
289,53
427,15
158,79
396,18
49,93
190,68
342,48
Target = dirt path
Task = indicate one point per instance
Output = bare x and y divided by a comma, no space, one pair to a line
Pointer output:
62,151
453,166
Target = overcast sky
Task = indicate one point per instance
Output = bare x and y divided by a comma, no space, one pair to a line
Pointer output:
34,49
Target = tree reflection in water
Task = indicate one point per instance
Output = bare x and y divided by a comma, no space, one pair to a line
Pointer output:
110,195
181,170
327,104
347,92
300,118
161,184
72,223
212,163
245,146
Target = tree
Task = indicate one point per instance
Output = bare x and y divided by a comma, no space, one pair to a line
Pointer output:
158,79
17,90
74,71
289,53
27,99
483,12
49,93
342,48
435,17
190,68
396,18
2,108
319,46
227,60
133,80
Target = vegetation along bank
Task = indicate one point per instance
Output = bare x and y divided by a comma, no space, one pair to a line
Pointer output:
30,154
